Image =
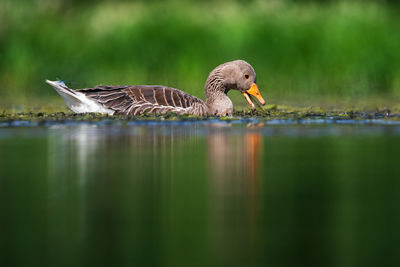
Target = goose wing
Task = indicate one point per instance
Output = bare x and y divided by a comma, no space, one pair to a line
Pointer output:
139,99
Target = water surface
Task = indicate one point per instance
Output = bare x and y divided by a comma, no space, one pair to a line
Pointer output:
200,194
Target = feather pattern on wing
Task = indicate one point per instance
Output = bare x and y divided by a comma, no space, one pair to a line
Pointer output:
140,99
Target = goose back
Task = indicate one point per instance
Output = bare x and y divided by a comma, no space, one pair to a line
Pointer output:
140,99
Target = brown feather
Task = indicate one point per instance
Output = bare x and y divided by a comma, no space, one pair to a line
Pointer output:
141,99
168,96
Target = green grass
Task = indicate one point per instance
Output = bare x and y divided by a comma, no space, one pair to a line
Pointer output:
271,112
306,50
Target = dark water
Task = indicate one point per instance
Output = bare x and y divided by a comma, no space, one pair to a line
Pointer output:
200,194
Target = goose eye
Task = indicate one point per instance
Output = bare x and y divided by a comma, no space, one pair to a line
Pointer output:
246,76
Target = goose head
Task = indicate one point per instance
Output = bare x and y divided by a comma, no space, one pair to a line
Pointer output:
234,75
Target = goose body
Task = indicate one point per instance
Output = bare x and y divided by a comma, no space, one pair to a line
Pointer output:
140,99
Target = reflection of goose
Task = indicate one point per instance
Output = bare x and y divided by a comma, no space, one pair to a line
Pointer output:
253,144
77,146
141,99
231,155
234,165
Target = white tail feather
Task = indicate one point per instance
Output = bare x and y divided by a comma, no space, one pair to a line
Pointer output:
78,102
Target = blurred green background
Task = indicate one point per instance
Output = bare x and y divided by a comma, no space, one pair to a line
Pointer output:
299,49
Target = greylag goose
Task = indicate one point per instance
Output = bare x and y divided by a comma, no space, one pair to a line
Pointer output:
139,99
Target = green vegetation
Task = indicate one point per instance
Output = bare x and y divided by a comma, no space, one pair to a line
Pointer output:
271,112
300,49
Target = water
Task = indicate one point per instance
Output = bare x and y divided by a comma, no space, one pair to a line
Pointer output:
200,194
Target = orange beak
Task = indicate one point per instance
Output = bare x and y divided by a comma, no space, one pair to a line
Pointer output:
254,92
